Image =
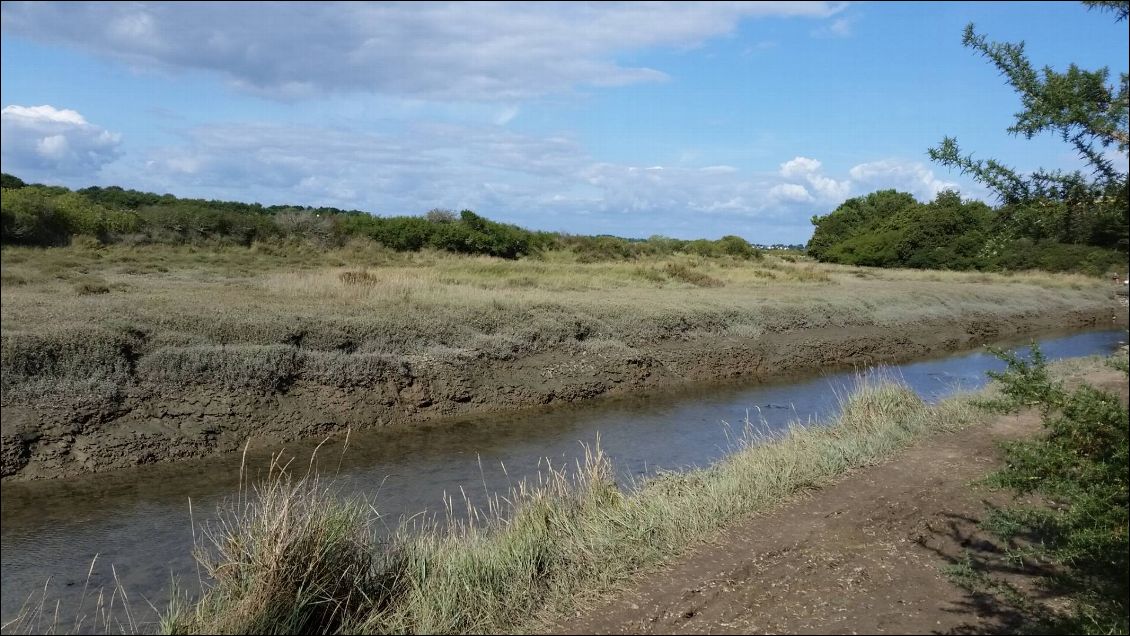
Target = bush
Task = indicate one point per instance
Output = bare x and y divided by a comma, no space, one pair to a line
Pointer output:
891,229
293,560
691,275
1081,464
28,216
8,181
738,247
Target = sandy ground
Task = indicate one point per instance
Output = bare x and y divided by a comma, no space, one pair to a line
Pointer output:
863,556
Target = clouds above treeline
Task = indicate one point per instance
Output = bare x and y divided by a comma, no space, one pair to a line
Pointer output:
463,50
54,141
541,182
431,91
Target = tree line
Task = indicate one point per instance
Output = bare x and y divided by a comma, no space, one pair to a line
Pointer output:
39,215
1048,219
893,229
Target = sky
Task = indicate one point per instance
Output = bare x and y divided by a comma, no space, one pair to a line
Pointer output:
635,119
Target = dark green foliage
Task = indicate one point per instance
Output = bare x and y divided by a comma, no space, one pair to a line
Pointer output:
1084,110
402,233
737,246
39,215
10,181
855,218
892,229
1081,465
189,222
473,234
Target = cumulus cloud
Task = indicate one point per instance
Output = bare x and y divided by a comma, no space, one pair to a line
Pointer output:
912,177
809,171
545,182
469,51
44,142
790,192
799,167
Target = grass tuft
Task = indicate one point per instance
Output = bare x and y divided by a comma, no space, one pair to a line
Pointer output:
289,557
293,559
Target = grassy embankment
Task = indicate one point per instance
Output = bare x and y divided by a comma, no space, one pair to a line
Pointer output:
291,558
88,323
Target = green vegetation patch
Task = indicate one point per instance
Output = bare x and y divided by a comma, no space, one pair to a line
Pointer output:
1080,468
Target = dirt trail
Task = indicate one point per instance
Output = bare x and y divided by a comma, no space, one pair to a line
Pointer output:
862,556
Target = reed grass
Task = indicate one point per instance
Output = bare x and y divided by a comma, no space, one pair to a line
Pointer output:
291,558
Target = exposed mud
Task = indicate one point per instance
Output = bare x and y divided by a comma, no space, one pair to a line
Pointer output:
863,556
166,423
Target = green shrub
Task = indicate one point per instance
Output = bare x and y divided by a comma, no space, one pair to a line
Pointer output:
689,274
1081,464
891,229
738,247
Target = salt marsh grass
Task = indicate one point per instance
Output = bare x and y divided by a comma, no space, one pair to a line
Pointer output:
292,558
89,311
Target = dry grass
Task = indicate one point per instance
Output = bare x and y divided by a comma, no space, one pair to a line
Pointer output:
111,313
550,546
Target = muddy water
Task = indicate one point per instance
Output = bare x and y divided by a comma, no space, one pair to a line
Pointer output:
139,521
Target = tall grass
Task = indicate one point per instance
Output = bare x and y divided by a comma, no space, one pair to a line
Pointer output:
291,558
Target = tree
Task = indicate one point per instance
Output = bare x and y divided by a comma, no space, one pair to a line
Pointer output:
11,182
1082,108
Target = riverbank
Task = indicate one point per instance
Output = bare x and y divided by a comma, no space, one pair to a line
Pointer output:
565,543
114,357
890,549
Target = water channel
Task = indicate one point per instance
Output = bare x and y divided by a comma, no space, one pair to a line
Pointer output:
138,521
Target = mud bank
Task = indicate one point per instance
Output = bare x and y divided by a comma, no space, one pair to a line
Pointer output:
167,423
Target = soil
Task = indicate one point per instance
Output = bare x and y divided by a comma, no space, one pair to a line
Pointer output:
865,555
166,423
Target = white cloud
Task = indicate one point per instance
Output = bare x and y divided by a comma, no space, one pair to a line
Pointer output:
799,167
829,189
467,51
808,170
908,176
506,115
44,142
790,192
543,182
838,28
32,115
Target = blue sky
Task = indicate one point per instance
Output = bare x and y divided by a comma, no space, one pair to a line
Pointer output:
685,119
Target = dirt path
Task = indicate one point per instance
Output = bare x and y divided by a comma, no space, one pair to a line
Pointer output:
863,556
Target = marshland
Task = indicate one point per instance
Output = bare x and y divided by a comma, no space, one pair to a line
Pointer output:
248,384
